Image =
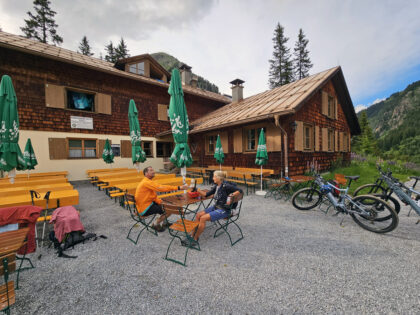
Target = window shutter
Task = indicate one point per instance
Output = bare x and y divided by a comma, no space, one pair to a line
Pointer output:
163,112
325,139
299,136
342,145
273,138
125,148
237,140
324,103
316,138
349,142
54,96
225,142
57,148
104,103
336,149
101,146
335,108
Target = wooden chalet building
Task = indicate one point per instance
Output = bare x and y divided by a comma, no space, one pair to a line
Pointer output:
307,121
69,104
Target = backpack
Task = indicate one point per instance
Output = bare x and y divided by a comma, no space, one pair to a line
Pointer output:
71,239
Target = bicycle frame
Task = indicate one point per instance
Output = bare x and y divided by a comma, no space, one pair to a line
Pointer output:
339,203
396,186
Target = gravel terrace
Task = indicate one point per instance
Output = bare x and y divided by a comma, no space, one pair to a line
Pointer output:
290,261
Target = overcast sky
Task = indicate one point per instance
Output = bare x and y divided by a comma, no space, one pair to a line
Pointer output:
376,42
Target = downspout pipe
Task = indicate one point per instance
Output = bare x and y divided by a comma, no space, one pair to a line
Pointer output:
286,146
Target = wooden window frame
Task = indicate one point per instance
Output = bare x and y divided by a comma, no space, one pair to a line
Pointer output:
71,89
207,143
151,148
245,138
82,148
311,128
170,151
137,68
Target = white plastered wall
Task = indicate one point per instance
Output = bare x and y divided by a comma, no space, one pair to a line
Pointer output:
77,168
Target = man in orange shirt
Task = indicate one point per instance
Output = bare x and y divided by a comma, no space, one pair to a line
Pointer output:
147,202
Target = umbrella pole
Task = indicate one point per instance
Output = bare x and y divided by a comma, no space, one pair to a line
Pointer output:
261,192
184,174
220,166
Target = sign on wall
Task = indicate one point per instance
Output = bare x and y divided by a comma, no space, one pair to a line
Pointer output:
81,122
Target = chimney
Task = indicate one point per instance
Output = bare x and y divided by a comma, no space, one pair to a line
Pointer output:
237,90
194,81
186,74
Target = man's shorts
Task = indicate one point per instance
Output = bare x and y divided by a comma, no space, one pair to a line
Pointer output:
154,208
216,214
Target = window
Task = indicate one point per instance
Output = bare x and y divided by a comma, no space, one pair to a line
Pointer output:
80,100
308,136
82,148
116,149
211,144
251,138
147,148
137,68
163,149
330,140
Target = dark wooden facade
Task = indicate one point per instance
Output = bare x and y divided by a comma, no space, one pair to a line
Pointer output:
311,113
31,73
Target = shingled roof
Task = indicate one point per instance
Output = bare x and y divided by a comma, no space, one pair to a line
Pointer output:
283,100
33,47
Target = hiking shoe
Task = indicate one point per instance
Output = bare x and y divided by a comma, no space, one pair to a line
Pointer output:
158,228
189,242
167,224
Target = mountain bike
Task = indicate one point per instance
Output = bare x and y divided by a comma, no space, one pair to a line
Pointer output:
368,211
408,195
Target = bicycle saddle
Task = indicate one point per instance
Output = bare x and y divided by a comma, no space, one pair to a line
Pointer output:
353,177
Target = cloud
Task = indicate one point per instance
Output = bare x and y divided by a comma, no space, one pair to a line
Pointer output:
376,42
359,108
378,100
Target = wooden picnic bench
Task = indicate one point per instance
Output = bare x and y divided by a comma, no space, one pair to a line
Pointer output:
57,199
10,243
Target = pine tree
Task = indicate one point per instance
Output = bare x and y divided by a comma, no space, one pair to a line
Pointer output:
42,26
366,142
302,62
110,53
281,67
84,47
121,51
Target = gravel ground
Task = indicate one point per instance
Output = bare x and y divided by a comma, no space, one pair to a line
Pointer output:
290,261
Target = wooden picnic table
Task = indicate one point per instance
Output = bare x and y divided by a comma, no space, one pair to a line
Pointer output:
110,178
6,180
38,175
57,199
177,181
34,182
102,170
25,190
298,179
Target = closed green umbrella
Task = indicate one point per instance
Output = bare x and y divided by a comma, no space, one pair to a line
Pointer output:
11,157
181,157
29,156
137,154
218,152
107,154
262,157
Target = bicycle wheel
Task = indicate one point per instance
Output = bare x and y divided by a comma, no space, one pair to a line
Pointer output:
392,201
306,198
373,214
369,189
